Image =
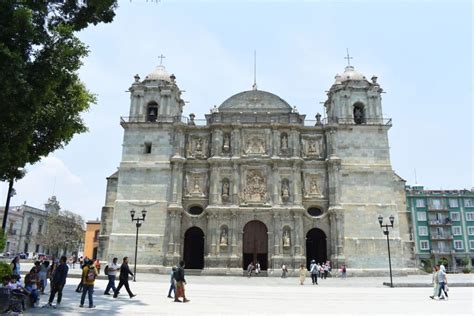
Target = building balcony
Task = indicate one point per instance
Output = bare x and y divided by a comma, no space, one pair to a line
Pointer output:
443,208
445,222
153,119
441,237
363,121
442,251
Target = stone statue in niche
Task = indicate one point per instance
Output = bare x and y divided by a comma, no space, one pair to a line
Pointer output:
199,146
313,187
224,237
196,187
286,239
284,142
314,148
226,144
285,191
255,190
225,190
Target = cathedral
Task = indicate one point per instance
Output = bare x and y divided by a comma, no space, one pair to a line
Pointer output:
256,182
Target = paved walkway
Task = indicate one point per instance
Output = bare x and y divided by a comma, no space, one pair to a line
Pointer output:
269,296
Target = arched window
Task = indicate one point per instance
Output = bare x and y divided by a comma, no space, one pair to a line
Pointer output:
359,113
152,111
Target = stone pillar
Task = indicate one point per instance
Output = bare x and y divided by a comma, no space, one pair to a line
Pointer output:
275,188
179,180
214,182
172,216
235,184
233,235
236,143
177,234
212,222
276,235
275,143
295,143
296,184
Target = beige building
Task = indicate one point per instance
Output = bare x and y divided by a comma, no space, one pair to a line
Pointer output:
256,182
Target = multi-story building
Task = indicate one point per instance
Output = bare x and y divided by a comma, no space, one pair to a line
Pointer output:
443,224
13,228
91,239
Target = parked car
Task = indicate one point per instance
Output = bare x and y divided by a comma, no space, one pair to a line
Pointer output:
5,254
23,255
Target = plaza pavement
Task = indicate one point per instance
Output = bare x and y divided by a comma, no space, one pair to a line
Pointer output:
212,295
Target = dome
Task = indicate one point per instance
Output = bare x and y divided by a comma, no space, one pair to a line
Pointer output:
159,74
255,101
350,74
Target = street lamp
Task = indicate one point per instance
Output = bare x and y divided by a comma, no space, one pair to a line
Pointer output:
386,233
139,221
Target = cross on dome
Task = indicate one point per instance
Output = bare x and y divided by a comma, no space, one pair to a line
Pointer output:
161,58
348,57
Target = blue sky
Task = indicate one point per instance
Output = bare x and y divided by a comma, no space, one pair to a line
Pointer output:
421,52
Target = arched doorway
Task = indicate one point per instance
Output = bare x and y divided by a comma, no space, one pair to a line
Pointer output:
194,248
316,247
255,244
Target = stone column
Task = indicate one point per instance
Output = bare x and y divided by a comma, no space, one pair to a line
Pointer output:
295,143
275,188
179,180
236,143
276,235
275,143
235,184
212,222
214,182
177,234
172,216
233,234
296,184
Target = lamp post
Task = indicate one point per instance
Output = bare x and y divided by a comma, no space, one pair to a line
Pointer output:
386,233
139,221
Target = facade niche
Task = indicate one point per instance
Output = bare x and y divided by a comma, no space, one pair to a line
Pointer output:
225,190
152,112
285,190
224,236
226,144
359,113
284,142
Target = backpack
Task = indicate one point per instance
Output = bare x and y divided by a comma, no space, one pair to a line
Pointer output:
90,277
106,270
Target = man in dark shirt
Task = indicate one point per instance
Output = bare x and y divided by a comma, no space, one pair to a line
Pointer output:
58,281
123,278
180,282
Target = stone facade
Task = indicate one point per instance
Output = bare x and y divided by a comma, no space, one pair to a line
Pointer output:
256,182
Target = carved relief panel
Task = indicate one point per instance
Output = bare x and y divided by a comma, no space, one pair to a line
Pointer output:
254,186
313,186
313,147
255,142
196,184
197,146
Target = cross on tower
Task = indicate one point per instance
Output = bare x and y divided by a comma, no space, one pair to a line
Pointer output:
348,57
161,58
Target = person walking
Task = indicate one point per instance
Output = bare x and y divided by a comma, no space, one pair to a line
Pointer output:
442,281
313,268
343,272
257,268
172,284
15,266
435,282
111,271
180,282
123,278
89,274
58,281
284,271
302,274
250,268
43,275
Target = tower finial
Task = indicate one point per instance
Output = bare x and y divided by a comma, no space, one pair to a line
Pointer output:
348,57
161,58
254,70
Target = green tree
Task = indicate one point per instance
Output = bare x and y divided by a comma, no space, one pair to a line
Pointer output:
3,240
64,233
42,96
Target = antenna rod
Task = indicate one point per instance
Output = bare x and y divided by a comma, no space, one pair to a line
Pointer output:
416,181
255,69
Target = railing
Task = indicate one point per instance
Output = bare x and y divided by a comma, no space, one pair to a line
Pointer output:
249,118
154,119
442,251
441,237
350,121
446,221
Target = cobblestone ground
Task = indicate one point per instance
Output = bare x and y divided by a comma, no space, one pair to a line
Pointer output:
270,296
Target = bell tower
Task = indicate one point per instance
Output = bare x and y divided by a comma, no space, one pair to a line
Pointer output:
362,184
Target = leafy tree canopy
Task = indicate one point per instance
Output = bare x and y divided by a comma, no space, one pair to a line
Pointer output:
41,95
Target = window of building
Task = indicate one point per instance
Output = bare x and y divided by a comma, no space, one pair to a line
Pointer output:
421,216
96,235
152,112
37,248
458,244
455,217
457,230
40,228
470,216
469,202
28,229
470,230
359,113
25,250
147,148
315,211
423,230
424,245
420,203
453,203
471,244
435,204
